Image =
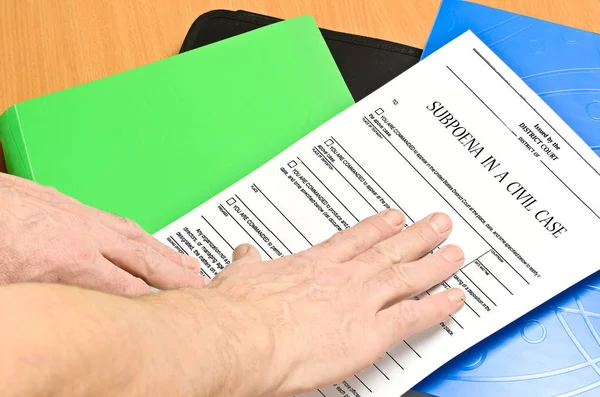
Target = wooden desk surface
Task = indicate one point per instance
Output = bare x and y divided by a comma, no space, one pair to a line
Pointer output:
48,45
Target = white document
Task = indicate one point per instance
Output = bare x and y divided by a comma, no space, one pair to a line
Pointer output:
458,133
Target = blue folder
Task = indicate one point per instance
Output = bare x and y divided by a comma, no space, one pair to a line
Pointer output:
555,349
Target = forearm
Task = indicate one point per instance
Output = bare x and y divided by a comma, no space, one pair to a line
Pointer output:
58,340
260,329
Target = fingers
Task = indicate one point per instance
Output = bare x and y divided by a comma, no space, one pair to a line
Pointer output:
133,231
111,279
351,242
143,261
187,261
414,242
409,317
246,253
404,280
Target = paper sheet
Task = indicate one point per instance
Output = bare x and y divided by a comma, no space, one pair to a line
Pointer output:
471,140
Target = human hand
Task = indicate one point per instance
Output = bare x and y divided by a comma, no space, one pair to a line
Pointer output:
46,236
312,319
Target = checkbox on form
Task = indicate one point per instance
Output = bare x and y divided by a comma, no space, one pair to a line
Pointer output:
329,142
231,201
292,164
379,111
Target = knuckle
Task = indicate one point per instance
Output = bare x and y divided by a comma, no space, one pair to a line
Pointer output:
140,252
354,244
121,238
332,241
132,229
397,277
408,314
343,240
328,246
148,259
49,194
385,255
49,190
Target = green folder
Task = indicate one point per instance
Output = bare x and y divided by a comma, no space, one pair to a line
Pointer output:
155,142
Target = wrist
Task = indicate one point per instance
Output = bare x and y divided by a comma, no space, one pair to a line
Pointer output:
216,347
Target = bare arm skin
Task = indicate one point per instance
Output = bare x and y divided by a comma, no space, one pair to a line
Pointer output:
46,236
259,329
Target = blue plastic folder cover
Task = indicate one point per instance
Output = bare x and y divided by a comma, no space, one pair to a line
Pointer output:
554,350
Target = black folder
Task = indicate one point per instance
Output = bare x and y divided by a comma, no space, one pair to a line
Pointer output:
365,63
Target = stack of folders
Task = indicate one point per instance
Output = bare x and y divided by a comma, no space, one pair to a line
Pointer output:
254,137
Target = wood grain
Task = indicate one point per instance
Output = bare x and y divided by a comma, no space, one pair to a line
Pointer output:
49,45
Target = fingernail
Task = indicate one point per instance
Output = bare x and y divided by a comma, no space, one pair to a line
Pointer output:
393,217
456,295
441,223
452,253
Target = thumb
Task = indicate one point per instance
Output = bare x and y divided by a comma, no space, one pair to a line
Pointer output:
246,253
